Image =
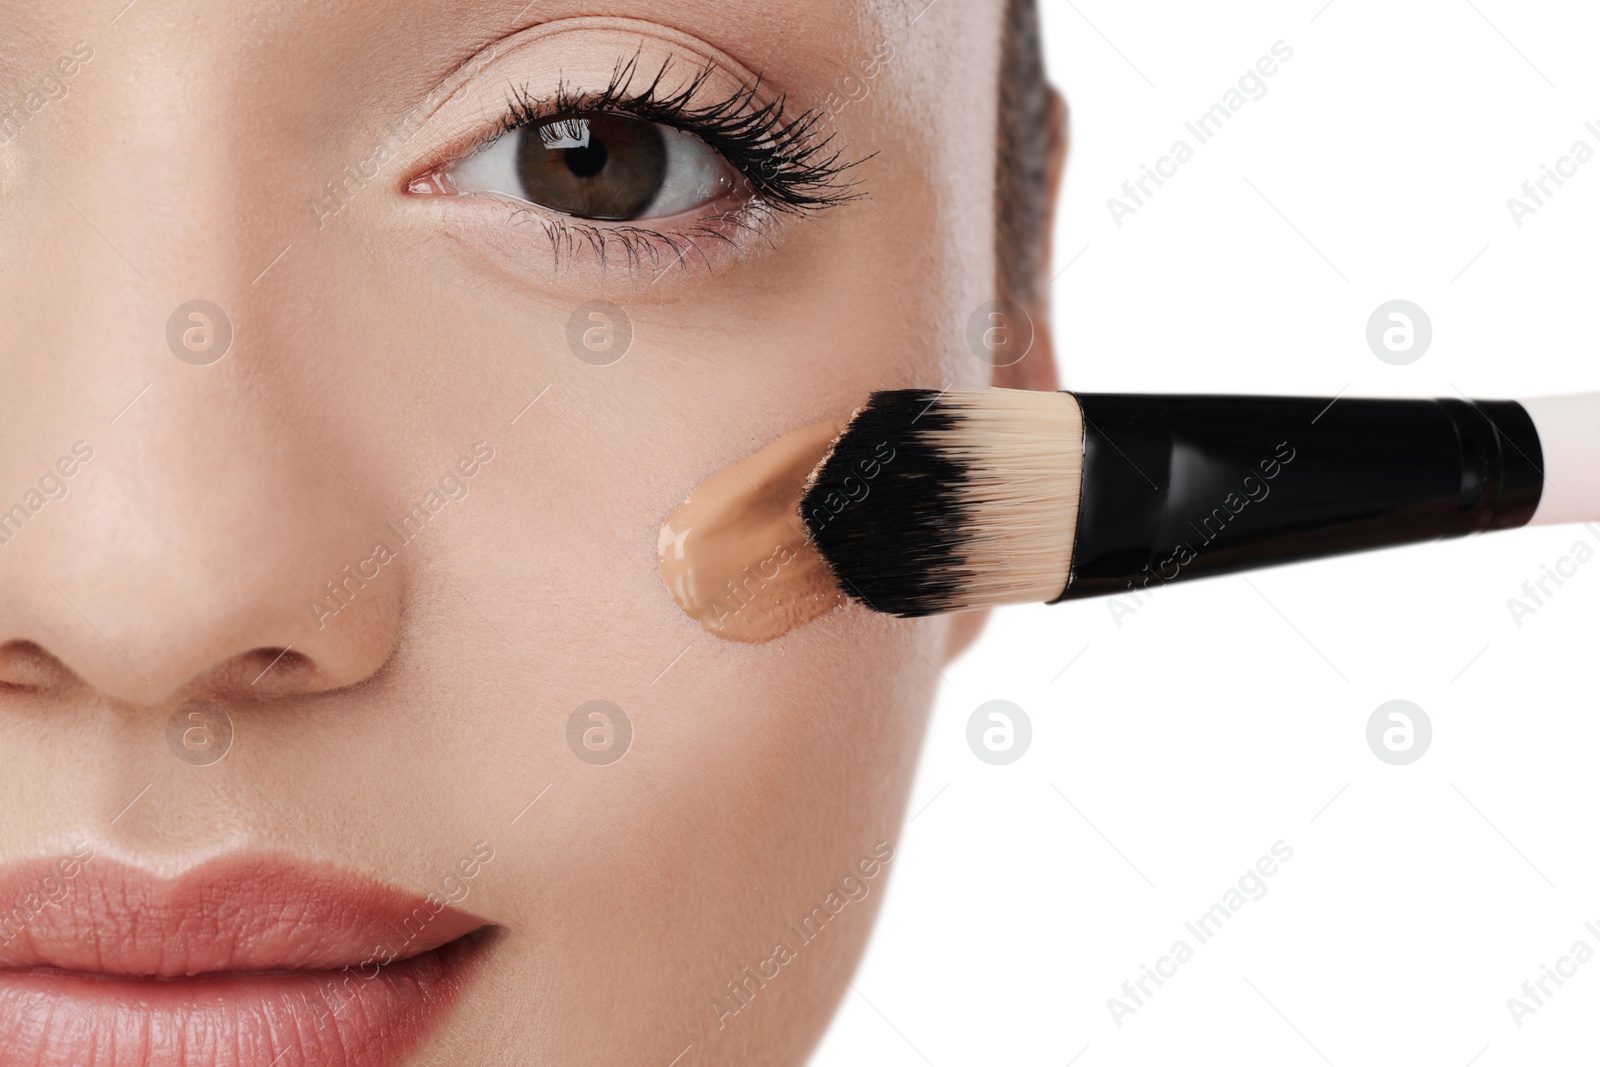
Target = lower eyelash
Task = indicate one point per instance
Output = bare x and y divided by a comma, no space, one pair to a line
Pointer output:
638,246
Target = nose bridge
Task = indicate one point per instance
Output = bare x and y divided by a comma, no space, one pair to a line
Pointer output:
187,515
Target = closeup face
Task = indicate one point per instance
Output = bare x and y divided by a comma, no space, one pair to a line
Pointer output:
396,440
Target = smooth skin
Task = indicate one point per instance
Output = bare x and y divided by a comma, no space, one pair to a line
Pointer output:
373,348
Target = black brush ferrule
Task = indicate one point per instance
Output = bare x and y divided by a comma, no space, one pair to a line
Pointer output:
1178,487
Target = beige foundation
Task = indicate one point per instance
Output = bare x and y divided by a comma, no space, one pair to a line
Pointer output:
736,556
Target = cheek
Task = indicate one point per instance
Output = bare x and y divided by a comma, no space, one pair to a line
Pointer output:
752,777
758,779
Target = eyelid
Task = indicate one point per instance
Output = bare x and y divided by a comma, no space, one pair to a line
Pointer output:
468,108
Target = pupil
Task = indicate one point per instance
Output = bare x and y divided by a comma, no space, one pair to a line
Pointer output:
587,162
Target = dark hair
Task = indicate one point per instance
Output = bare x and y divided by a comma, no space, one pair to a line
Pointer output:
1021,193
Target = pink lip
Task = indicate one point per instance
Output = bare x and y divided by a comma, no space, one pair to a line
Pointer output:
244,960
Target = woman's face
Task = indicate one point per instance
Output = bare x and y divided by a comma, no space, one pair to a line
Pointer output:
397,441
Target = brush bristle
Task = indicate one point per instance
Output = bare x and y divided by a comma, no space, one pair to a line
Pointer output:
935,502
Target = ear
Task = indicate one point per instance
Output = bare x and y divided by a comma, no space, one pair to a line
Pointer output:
1036,370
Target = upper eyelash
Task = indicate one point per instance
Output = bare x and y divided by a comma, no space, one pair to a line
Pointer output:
789,165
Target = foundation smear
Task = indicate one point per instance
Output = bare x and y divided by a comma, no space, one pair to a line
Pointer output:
736,556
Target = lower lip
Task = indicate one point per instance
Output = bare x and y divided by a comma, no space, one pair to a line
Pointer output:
371,1017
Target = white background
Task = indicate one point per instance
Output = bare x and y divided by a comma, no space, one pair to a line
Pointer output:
1228,714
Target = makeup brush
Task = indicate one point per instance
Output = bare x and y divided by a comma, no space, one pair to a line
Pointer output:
936,502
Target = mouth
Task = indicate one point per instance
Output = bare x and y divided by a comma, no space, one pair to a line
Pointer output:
245,960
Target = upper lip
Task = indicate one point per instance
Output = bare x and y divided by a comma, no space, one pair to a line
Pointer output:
236,914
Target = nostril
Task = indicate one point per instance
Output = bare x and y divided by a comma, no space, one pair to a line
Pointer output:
25,667
265,673
269,671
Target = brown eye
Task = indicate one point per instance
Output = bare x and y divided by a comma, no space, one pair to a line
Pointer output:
603,167
598,165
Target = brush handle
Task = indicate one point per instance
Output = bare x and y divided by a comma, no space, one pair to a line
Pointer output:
1178,487
1569,434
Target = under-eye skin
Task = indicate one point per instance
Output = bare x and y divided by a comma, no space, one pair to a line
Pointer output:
647,167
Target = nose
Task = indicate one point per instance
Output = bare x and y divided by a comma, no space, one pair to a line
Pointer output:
201,538
209,547
179,508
